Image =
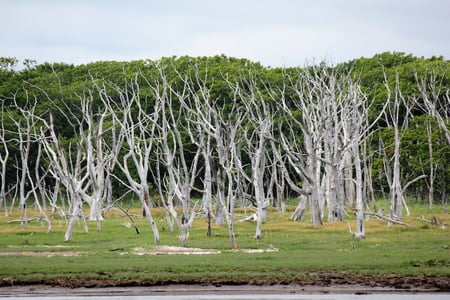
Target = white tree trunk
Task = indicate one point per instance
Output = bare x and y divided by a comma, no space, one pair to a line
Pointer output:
300,210
393,118
138,132
348,180
314,184
396,189
359,205
212,124
430,94
230,210
432,167
220,197
4,155
145,199
256,150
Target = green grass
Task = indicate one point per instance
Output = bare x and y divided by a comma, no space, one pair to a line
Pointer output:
419,249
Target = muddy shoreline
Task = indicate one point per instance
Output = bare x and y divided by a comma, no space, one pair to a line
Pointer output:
319,282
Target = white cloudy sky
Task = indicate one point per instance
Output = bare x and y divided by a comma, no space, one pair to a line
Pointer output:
274,32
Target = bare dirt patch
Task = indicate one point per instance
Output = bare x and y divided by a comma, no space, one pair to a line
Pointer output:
259,250
160,250
42,254
168,250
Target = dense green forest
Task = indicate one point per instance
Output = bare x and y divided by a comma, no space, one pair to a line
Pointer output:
207,126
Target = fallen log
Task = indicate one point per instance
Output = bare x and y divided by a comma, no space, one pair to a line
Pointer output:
434,221
386,218
26,220
251,218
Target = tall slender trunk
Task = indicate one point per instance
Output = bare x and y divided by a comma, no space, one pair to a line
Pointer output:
77,212
315,212
230,211
348,180
359,205
396,189
431,165
220,197
207,190
145,200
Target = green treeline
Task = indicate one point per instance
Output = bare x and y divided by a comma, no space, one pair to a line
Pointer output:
55,92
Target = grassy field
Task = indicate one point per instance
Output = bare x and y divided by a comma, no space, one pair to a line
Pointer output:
28,253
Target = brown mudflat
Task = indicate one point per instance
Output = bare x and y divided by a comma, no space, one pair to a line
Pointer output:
317,282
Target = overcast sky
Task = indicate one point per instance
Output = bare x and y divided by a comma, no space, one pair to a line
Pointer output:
273,32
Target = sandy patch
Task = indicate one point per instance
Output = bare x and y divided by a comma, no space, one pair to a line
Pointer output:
42,254
258,250
168,250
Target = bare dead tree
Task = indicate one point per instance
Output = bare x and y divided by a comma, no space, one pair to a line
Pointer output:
280,162
69,172
198,119
181,173
95,158
26,126
304,112
256,137
433,168
358,115
138,137
161,186
221,126
277,180
360,129
89,128
436,100
396,116
4,155
396,196
330,112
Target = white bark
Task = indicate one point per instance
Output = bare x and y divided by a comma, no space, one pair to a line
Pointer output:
207,180
436,99
430,91
96,157
257,137
313,116
300,210
26,138
359,205
281,164
359,131
87,171
96,166
68,171
4,155
181,173
36,185
433,167
162,186
220,126
23,136
138,134
331,112
73,181
393,118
